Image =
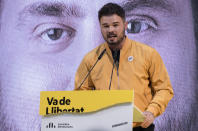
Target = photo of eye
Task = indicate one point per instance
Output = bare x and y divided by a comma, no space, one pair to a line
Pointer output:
42,43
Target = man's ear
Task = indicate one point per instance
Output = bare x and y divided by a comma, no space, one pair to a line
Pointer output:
126,24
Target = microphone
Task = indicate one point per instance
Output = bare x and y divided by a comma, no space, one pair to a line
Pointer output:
116,55
111,76
102,53
99,57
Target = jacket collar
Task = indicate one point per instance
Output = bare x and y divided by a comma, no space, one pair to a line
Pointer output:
123,50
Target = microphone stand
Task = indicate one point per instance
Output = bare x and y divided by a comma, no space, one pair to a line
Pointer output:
100,56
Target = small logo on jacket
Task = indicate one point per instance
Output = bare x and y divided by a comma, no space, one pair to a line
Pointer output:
130,58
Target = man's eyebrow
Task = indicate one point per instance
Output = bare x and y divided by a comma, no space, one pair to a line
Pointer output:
113,23
51,9
161,5
116,22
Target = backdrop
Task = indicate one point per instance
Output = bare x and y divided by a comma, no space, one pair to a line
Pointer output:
42,42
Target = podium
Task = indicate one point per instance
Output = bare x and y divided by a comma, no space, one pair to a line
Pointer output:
99,110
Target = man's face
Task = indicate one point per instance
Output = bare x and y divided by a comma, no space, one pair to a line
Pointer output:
113,29
43,42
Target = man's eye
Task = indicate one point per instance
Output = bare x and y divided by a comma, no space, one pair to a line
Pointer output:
137,27
55,34
52,37
139,24
115,25
106,26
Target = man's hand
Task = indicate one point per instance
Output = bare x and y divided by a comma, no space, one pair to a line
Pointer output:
149,118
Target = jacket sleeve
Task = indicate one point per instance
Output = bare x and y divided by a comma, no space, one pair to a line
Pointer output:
81,73
160,84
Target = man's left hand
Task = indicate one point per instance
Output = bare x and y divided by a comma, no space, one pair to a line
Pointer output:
149,118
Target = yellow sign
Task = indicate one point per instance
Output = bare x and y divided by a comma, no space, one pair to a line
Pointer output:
56,102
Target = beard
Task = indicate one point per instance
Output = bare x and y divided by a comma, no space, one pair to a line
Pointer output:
119,38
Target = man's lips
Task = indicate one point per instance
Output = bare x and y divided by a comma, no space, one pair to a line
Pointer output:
111,36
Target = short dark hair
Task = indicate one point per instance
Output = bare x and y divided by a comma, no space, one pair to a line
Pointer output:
111,9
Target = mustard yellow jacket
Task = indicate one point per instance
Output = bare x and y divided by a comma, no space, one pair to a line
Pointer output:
140,68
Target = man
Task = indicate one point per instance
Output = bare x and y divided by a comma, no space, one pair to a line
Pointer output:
43,41
137,67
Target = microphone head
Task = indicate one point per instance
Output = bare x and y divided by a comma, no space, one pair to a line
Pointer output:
102,53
